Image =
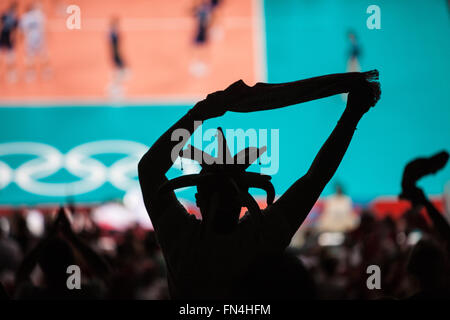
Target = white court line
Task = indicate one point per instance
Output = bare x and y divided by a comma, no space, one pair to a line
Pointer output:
259,38
144,24
150,101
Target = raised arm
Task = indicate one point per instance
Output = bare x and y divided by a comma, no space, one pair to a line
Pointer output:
299,199
95,262
440,223
160,157
418,197
415,170
267,96
30,260
238,97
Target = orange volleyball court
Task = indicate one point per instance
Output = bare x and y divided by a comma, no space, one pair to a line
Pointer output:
157,44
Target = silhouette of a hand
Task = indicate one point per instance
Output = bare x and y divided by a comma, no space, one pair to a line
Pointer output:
417,169
61,224
363,96
65,225
219,102
212,107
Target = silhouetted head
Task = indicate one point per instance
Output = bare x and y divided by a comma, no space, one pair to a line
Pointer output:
367,222
33,5
56,256
114,22
338,188
13,6
223,183
221,197
352,36
427,263
328,263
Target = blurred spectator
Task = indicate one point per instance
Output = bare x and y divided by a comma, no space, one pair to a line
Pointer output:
338,214
32,24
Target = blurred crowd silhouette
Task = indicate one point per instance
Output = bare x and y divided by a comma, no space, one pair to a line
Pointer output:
137,269
114,265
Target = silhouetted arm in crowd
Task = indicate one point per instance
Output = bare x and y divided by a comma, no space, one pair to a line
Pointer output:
95,262
31,259
29,262
442,226
61,224
416,170
299,199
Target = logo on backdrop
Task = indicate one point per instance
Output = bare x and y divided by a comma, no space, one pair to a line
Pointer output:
38,175
79,162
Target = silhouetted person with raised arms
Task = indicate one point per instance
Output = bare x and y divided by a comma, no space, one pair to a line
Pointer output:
54,254
429,260
211,258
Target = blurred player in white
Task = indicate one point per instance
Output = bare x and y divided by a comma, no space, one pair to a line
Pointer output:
447,200
32,25
338,214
